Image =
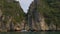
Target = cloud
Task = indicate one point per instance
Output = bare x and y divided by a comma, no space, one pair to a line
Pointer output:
25,4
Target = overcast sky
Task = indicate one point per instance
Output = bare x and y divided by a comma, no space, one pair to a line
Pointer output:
25,4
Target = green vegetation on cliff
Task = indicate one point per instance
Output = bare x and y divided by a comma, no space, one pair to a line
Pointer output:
47,9
50,9
11,8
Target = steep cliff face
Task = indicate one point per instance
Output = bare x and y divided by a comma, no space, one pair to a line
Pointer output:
36,19
42,15
45,14
10,12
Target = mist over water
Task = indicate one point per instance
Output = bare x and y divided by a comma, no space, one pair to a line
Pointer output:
25,4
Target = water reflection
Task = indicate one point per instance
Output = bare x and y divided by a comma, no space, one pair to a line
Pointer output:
30,32
43,33
23,33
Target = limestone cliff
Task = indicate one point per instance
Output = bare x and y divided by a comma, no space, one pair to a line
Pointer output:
45,14
35,19
11,14
42,15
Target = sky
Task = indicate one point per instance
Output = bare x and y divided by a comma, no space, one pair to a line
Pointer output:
25,4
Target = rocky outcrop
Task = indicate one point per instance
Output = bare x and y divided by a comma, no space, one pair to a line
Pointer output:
11,15
40,16
35,19
36,16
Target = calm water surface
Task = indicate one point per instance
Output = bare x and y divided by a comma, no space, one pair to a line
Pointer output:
30,32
